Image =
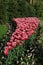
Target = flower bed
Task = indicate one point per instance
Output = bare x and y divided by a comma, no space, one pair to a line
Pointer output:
25,28
19,44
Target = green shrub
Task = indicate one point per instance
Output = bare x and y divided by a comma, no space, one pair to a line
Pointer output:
15,8
39,10
3,12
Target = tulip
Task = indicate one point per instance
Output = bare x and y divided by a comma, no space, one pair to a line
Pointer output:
8,43
14,44
6,48
10,47
5,52
11,41
17,41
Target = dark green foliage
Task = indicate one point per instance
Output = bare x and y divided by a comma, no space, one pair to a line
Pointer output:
3,11
18,8
29,10
39,10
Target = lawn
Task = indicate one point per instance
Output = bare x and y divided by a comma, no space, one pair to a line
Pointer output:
3,30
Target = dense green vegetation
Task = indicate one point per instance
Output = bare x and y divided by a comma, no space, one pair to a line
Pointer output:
19,8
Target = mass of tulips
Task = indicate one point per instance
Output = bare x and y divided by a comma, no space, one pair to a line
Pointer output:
25,28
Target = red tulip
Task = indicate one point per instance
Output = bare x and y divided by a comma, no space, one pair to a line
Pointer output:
12,38
14,44
18,41
5,52
10,47
8,43
6,48
11,41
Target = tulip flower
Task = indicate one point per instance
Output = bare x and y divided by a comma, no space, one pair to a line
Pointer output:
5,52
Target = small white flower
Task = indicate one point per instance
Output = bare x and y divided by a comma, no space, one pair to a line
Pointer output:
27,50
17,62
21,58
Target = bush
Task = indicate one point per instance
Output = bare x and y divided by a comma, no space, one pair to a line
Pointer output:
39,10
3,12
29,10
18,9
13,9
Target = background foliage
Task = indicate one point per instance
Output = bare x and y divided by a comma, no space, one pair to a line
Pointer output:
20,8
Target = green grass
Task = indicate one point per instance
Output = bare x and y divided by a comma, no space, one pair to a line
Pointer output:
3,30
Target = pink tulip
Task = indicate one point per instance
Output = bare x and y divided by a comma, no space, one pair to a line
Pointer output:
8,43
10,47
14,44
5,52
